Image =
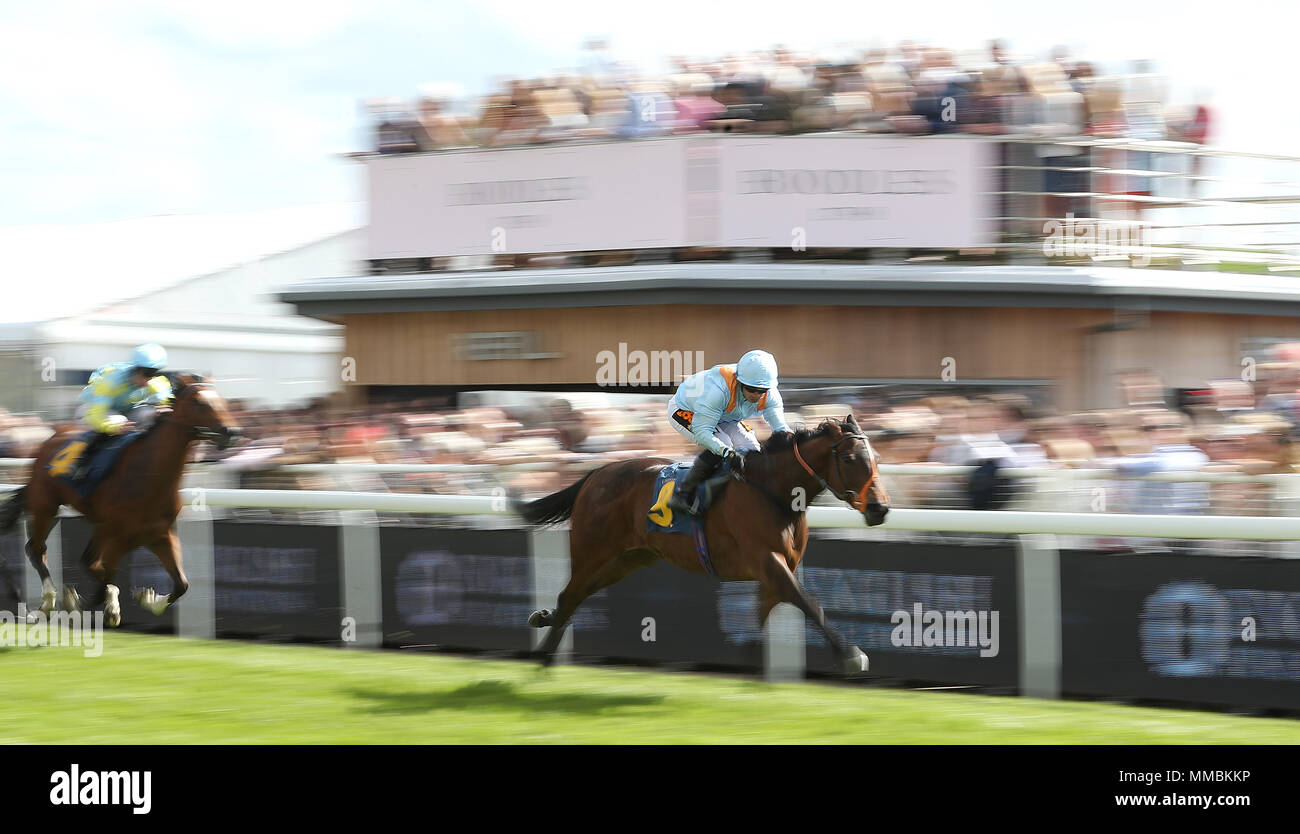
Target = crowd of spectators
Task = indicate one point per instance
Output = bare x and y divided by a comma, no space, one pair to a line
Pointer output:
1227,426
909,89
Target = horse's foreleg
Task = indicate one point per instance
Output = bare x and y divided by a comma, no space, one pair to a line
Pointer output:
168,551
39,525
780,585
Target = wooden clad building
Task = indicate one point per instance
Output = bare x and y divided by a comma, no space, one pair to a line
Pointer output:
1070,328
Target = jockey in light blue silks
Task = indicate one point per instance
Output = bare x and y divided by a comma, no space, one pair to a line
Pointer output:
117,388
709,408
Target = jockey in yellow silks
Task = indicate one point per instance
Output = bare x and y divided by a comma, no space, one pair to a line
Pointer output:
709,409
117,388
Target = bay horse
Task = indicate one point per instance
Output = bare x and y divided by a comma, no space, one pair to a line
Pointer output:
756,530
135,505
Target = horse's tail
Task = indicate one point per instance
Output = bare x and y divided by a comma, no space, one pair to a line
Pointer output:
11,509
554,508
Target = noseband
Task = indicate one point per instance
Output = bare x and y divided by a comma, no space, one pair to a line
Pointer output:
858,500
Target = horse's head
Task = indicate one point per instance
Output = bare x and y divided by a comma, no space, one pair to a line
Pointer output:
197,406
854,471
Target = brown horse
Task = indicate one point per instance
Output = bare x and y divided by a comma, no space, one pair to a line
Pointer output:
134,506
756,530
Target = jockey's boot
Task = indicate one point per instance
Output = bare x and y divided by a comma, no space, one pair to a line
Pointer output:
684,498
87,454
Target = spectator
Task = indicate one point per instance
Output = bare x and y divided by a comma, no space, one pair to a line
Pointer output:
694,104
396,131
1170,452
439,130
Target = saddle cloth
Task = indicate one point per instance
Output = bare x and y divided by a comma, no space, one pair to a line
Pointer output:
65,461
661,518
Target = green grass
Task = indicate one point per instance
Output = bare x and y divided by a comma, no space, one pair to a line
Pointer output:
163,690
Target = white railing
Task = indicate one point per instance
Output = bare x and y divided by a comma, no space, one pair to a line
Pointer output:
1244,528
1051,489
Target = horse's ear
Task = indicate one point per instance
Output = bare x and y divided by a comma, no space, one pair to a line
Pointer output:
184,379
180,381
851,422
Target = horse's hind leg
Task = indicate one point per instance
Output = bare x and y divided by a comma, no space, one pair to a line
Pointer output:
779,585
581,586
168,551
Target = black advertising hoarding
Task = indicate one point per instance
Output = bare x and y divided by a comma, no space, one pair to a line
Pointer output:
280,581
927,612
138,569
467,589
1219,630
667,615
13,567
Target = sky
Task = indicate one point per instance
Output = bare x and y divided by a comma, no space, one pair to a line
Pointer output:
134,108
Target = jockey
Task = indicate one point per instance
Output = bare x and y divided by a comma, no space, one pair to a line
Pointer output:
117,388
708,409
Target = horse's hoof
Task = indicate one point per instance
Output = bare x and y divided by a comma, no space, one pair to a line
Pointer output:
47,602
540,619
112,608
149,600
71,601
856,663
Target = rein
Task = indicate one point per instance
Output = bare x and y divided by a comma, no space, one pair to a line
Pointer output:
857,501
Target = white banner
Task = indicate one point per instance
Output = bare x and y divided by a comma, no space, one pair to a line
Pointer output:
734,191
574,198
854,191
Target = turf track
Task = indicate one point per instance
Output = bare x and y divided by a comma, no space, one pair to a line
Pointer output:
162,690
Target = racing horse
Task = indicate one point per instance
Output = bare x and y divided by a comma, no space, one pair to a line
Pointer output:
756,530
135,505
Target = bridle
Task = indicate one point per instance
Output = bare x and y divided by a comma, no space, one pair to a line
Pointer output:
858,500
203,432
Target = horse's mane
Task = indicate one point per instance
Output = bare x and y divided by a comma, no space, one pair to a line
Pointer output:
785,442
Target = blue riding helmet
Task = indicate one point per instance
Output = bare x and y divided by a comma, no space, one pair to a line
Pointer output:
757,369
151,356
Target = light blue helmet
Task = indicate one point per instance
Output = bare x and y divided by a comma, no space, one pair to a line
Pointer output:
149,356
757,369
